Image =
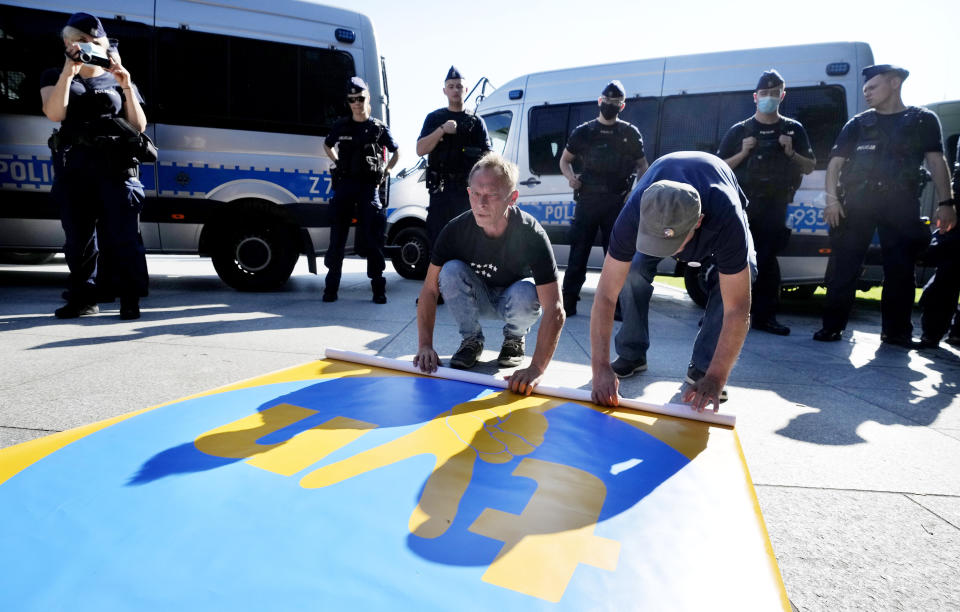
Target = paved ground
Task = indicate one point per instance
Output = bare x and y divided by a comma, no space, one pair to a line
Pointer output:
854,447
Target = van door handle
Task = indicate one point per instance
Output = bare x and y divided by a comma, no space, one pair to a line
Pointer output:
530,182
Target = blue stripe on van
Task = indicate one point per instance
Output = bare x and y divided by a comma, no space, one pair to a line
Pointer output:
199,179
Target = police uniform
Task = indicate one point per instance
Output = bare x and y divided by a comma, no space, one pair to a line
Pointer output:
449,163
769,179
939,298
356,179
605,158
97,188
880,182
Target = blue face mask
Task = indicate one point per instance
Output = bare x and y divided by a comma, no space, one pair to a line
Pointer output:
768,104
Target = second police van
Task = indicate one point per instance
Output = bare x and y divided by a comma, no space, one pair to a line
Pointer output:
238,97
678,103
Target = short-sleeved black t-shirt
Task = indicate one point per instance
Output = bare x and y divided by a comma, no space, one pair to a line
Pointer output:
622,137
611,151
723,234
99,97
471,134
926,135
521,251
733,140
352,136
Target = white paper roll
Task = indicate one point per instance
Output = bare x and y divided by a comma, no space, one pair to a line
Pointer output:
683,411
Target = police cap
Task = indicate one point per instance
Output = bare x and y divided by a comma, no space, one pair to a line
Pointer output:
614,89
871,71
770,79
357,85
453,73
88,24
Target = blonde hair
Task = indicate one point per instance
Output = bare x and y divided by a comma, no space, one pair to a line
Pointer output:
503,168
72,35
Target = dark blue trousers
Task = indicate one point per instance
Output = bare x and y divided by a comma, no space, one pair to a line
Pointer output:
939,299
445,205
100,216
895,215
770,237
592,213
360,201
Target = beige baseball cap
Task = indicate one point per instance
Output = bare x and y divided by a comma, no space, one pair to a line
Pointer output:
668,211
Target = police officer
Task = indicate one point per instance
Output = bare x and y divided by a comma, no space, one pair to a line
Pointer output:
600,161
769,153
453,139
939,299
96,170
873,184
360,168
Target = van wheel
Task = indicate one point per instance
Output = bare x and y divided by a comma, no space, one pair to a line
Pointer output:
695,285
412,257
256,250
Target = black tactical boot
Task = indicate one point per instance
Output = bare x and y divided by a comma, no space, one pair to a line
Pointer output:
129,308
379,286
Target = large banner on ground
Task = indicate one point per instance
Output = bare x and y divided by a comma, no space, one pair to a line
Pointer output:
336,485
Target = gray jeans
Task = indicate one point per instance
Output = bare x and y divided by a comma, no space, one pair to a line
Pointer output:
469,298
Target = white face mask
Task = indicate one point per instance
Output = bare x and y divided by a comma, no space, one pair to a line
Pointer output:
768,104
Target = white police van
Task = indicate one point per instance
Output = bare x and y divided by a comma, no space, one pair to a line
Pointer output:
238,97
678,103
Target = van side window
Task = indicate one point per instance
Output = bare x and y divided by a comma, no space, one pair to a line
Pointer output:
498,126
691,123
252,84
823,111
644,113
30,43
547,137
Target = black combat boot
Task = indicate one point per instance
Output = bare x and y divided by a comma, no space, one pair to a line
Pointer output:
129,307
379,286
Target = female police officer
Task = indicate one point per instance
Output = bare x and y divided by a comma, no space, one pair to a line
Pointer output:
360,140
95,170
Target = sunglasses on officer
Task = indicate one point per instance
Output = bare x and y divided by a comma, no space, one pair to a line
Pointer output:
352,99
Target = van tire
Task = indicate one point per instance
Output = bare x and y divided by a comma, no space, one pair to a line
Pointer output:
695,285
412,257
256,249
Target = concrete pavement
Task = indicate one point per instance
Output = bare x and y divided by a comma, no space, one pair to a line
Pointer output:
853,447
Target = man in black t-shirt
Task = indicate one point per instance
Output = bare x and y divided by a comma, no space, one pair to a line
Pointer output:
453,139
360,142
480,261
769,153
873,185
600,161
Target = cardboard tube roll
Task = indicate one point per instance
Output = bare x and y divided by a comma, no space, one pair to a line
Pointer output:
580,395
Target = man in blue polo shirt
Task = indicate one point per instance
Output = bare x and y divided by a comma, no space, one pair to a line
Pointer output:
689,205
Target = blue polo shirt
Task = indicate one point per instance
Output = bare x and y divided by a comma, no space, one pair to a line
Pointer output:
724,233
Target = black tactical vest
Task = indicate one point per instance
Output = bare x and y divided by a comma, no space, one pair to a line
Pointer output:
885,162
768,172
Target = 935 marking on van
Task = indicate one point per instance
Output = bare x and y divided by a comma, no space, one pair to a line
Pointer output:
806,218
